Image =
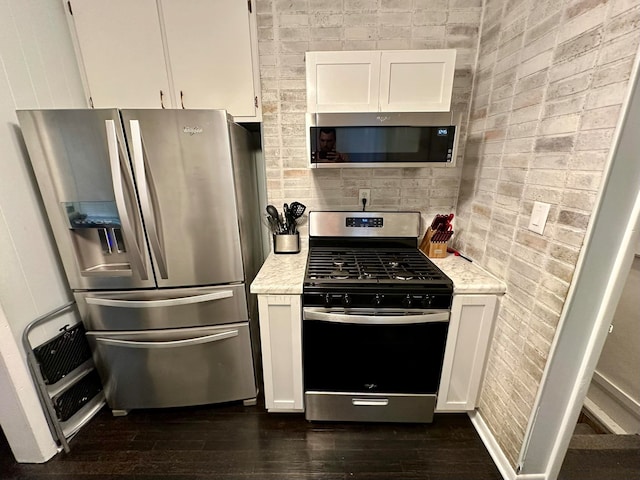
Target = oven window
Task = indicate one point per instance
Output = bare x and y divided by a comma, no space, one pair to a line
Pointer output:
373,358
381,144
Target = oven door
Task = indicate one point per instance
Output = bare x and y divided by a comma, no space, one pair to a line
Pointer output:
372,364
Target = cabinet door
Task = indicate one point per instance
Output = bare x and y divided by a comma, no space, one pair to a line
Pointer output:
209,45
470,329
121,50
416,80
342,81
281,342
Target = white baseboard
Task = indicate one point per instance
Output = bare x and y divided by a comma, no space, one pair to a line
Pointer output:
498,456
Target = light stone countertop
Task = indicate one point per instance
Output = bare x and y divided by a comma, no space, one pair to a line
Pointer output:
468,277
284,274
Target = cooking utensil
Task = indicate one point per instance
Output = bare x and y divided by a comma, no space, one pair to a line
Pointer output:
287,218
271,223
297,209
273,213
458,254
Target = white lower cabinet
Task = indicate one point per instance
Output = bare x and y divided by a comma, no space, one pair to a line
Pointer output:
281,342
470,328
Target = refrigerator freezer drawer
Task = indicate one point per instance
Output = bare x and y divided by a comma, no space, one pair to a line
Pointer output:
175,367
167,308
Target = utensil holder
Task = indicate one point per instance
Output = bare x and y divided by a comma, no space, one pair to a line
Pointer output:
286,243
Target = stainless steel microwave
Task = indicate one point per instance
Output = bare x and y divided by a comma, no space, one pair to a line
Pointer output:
381,139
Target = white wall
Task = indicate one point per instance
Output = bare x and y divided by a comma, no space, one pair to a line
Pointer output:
37,70
614,395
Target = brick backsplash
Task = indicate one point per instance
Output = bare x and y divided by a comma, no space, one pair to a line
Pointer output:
547,83
286,29
547,97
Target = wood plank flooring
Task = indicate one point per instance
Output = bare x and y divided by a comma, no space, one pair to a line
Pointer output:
233,442
229,442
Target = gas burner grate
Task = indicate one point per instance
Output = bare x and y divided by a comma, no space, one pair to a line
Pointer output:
370,265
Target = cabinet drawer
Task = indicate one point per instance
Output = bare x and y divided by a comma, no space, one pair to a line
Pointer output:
365,407
167,308
176,367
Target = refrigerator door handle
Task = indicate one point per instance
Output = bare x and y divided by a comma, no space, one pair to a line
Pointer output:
169,302
169,344
135,256
145,195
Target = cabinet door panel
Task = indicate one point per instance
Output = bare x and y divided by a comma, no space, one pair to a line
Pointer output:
281,342
413,81
470,328
121,47
209,50
342,81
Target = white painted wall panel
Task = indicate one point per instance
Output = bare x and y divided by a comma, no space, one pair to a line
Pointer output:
37,70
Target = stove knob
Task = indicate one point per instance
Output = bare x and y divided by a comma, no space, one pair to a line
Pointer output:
427,301
406,301
377,301
327,300
346,300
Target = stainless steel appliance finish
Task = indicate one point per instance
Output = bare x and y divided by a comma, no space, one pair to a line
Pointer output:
375,319
154,215
387,224
382,139
150,365
414,119
368,407
162,308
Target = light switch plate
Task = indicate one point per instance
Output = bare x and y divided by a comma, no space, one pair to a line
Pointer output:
539,215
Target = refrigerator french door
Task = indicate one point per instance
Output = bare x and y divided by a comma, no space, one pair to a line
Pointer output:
154,213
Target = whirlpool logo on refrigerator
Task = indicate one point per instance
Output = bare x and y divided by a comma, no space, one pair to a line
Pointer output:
191,130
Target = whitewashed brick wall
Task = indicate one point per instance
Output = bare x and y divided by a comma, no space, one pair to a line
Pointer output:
288,28
550,81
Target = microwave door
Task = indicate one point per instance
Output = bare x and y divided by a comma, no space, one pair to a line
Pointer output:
183,170
83,173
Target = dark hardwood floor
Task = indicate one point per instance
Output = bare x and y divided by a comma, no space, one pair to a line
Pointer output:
232,442
226,442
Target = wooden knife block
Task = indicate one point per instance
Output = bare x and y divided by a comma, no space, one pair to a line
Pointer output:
433,249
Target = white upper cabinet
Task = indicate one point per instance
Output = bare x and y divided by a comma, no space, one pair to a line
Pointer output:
380,81
416,80
342,81
121,50
169,54
209,48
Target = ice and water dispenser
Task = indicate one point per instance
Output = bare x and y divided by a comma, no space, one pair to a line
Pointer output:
97,236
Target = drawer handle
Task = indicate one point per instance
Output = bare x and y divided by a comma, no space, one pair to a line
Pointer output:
170,344
370,402
169,302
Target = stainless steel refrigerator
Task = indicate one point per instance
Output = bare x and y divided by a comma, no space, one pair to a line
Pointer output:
155,215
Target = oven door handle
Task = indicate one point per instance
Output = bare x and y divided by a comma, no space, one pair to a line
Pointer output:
317,314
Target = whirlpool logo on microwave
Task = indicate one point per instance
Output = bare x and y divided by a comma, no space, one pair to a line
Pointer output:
443,132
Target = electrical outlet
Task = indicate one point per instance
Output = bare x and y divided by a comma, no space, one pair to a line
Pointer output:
364,193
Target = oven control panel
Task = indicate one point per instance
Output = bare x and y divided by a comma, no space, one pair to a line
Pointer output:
364,224
359,222
378,300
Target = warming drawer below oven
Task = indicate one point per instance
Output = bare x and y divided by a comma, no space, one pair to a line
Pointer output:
366,407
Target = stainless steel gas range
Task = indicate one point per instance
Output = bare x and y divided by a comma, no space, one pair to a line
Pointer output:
375,319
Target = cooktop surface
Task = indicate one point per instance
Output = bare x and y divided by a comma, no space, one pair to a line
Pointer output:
371,265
